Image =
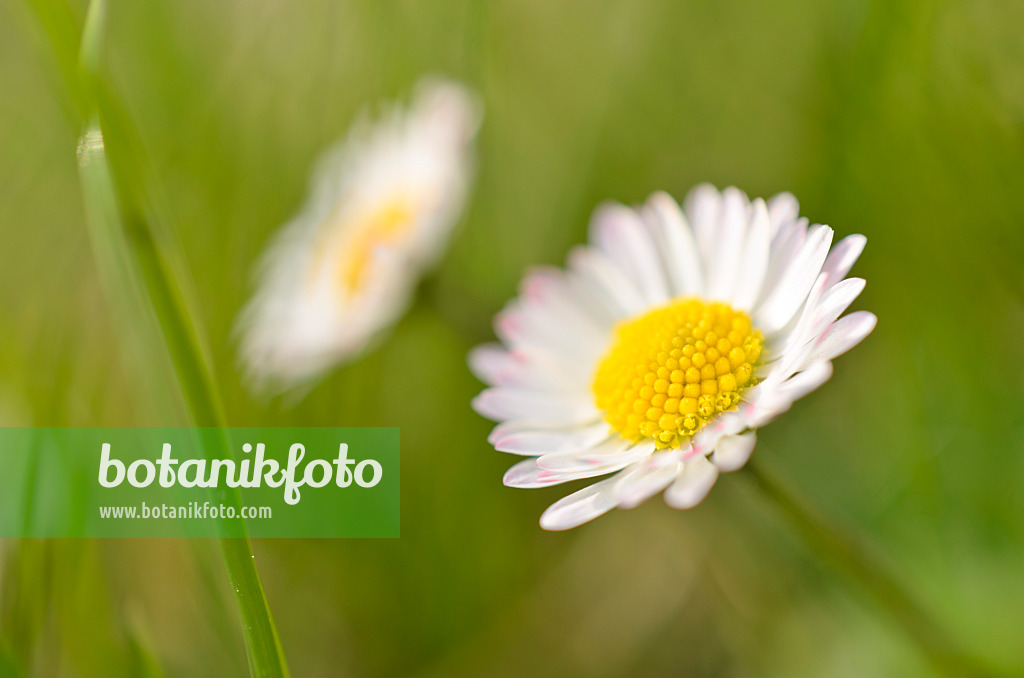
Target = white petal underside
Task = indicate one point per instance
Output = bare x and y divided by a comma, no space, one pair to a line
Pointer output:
727,423
581,506
732,452
645,479
692,484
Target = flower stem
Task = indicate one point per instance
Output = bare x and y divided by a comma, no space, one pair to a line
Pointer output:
854,558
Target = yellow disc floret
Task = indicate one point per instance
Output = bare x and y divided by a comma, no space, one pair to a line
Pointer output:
349,242
671,370
376,229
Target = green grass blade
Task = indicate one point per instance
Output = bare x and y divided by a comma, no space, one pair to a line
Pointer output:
126,242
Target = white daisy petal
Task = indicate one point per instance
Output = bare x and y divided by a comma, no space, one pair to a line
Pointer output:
602,311
381,205
702,207
539,442
783,208
548,289
646,478
577,338
515,426
524,474
528,475
569,293
793,286
607,281
580,507
662,349
706,439
843,335
786,243
732,452
836,300
843,256
490,362
495,366
730,233
819,314
802,383
621,235
507,428
535,332
501,403
779,396
795,333
755,258
693,484
616,451
683,266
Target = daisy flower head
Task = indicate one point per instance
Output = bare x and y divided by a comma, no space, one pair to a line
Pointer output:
382,203
663,345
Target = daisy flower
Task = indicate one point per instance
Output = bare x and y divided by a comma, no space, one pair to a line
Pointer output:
662,347
381,206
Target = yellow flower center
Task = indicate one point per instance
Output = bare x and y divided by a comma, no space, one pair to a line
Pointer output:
670,371
351,242
379,228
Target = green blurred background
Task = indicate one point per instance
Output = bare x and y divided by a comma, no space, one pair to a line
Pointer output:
902,120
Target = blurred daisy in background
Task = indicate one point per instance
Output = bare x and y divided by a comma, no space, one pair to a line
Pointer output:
663,346
381,207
